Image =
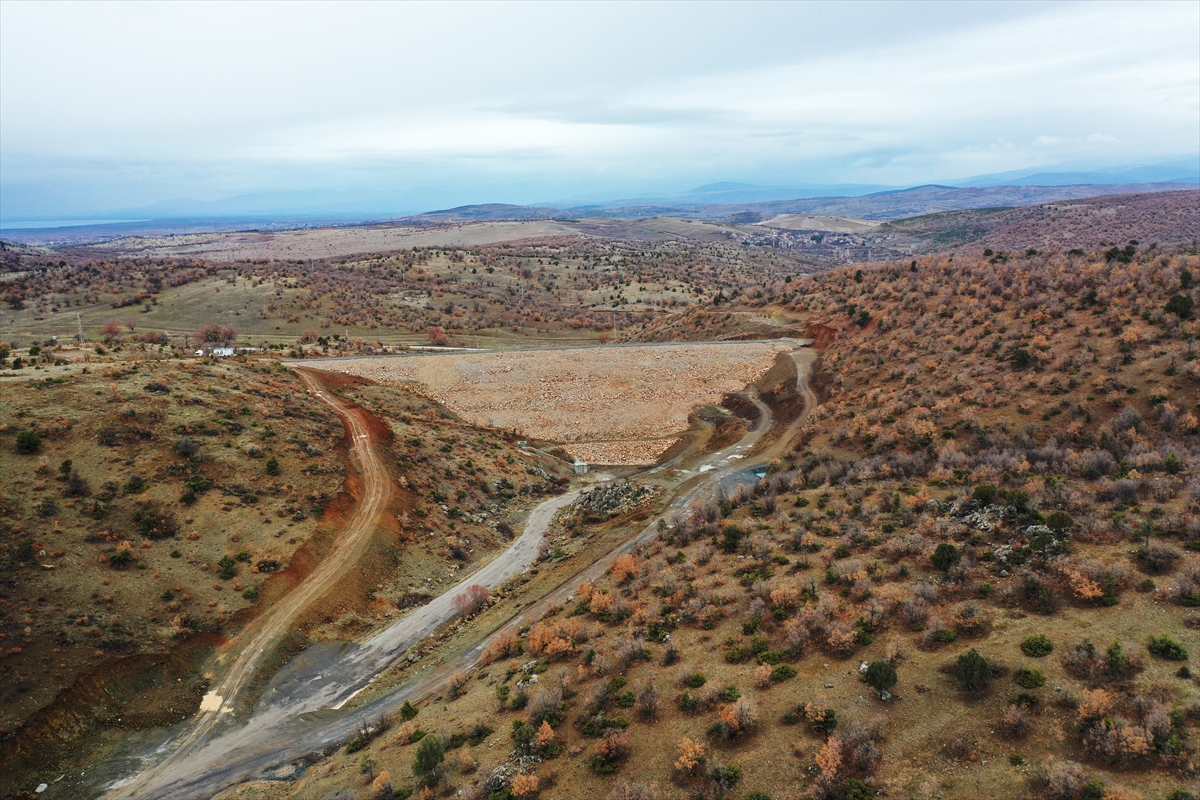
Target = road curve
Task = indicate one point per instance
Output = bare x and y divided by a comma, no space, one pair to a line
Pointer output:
305,717
236,667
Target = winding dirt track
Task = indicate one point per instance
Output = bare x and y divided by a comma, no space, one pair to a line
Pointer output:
245,653
302,715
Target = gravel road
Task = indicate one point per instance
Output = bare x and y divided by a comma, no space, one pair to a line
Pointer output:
301,714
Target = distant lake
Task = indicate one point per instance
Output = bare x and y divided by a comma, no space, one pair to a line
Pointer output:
38,224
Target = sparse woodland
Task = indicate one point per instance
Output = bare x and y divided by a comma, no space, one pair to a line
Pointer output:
564,285
996,502
976,571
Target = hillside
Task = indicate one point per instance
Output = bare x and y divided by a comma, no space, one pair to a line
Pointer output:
1166,219
568,289
885,205
155,506
1003,447
996,499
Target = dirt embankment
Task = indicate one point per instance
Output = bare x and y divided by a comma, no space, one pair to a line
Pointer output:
820,381
147,690
780,378
742,406
822,335
711,428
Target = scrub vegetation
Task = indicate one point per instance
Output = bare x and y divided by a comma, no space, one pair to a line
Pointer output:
972,570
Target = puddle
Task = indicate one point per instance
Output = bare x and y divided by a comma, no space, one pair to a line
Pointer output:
748,477
310,665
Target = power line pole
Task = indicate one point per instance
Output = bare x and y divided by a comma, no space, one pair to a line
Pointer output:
79,321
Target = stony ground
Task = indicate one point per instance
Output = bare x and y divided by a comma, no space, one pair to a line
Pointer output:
616,405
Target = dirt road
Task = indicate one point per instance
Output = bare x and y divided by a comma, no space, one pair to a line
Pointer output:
236,667
299,713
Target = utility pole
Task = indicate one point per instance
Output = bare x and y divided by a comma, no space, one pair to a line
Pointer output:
79,321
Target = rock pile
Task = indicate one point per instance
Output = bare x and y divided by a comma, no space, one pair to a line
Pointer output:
605,502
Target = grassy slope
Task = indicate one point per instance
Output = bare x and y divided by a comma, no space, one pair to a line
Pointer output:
919,408
227,409
120,635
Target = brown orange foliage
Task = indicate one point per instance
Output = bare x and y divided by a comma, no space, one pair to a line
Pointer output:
554,638
524,785
624,568
691,756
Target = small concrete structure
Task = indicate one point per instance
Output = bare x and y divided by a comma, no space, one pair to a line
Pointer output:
580,467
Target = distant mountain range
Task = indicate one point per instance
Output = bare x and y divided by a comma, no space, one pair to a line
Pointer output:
728,201
1187,172
731,192
1020,187
882,206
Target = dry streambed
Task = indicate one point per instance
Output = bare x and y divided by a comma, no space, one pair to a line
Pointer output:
609,405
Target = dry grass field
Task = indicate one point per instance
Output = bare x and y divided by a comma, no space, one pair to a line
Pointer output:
329,242
615,405
390,237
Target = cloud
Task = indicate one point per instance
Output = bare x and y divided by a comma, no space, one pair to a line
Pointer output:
133,103
1091,138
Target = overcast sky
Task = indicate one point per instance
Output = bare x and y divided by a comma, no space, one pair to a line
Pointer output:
106,106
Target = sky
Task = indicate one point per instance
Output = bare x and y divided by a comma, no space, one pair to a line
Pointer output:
111,107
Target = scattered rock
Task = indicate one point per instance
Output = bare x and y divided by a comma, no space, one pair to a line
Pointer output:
613,500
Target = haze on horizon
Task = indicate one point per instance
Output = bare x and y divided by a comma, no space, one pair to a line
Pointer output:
399,108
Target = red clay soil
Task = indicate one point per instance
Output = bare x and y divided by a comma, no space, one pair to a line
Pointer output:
309,554
336,380
822,335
